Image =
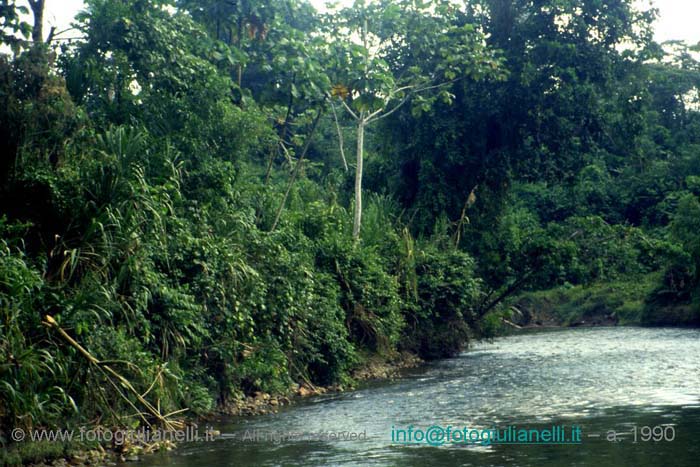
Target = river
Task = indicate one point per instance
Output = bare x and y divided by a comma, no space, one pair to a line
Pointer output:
610,382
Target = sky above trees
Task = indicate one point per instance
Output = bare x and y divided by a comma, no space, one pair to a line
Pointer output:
678,18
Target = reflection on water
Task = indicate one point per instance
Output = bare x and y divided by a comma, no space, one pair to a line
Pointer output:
603,379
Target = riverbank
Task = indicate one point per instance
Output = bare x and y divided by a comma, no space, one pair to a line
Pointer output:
74,453
605,304
602,304
373,367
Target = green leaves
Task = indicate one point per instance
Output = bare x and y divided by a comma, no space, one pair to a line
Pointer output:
409,46
12,25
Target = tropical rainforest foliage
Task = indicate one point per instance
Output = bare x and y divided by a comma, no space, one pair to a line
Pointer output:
212,198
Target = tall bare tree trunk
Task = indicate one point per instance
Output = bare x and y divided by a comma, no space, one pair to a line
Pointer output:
358,178
38,29
362,120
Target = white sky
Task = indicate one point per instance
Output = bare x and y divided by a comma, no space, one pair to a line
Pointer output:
678,19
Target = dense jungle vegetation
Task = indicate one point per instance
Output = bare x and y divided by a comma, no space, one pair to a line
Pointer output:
212,198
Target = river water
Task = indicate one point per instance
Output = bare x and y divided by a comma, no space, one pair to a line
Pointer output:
610,382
